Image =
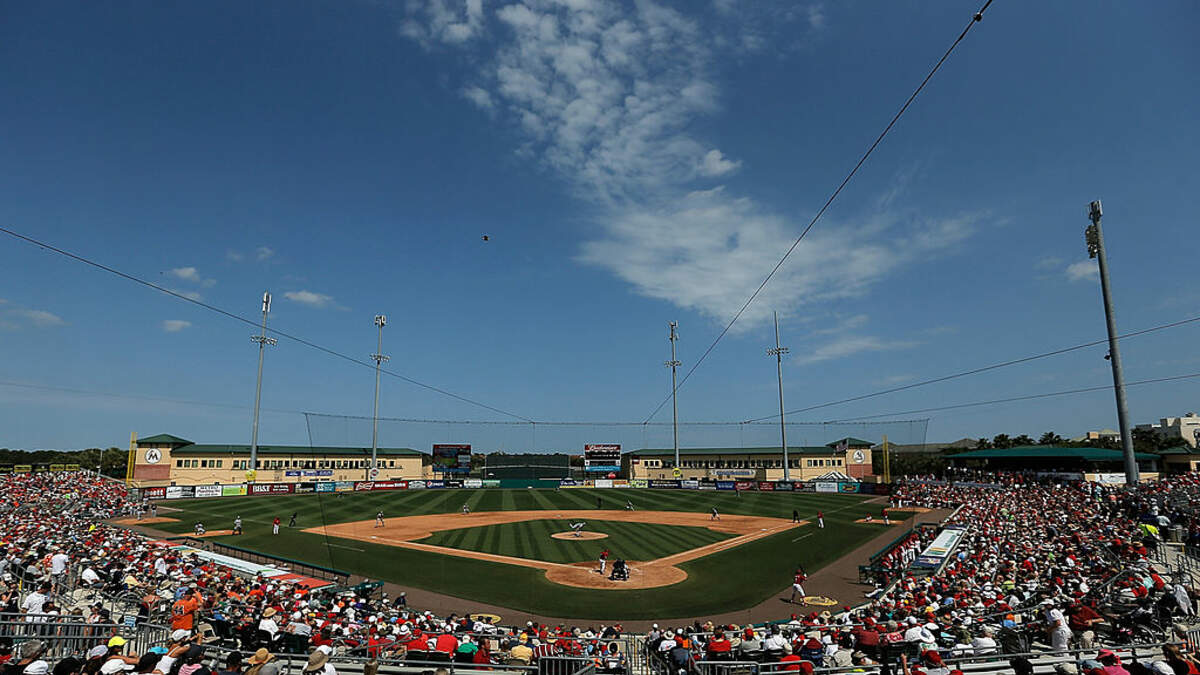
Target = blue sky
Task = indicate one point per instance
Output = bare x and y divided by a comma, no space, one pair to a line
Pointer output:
631,164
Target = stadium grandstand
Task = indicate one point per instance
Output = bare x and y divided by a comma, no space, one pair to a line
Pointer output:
1040,576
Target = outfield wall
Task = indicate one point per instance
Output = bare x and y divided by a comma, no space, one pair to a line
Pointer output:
261,489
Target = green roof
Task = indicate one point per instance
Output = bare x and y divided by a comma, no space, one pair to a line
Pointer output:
1049,452
850,441
1181,450
164,439
288,450
774,450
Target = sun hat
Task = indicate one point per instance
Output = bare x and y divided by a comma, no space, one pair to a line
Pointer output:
316,660
180,635
38,667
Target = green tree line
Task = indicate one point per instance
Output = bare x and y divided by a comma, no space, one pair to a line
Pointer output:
111,461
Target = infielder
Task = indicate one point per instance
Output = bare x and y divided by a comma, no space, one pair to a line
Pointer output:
379,519
466,509
715,515
798,584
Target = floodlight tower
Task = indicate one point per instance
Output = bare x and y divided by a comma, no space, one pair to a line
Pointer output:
379,359
263,342
778,353
1095,246
674,363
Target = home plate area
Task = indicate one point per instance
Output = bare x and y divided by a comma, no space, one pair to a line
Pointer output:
406,531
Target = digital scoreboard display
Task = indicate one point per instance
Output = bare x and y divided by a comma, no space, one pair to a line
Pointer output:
602,457
451,458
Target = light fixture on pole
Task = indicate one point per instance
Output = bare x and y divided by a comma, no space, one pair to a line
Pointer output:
1095,246
778,353
379,359
263,341
674,363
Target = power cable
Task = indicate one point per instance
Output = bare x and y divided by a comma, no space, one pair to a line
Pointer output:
978,16
983,369
1012,399
255,324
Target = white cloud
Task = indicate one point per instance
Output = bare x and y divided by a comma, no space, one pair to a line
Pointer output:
849,346
816,16
234,256
264,253
1084,270
480,97
715,164
190,295
175,325
191,274
38,318
606,95
1048,263
310,298
843,324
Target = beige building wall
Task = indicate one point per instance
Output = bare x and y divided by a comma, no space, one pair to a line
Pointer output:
764,466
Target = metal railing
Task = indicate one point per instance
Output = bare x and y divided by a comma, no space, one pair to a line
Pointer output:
336,576
68,636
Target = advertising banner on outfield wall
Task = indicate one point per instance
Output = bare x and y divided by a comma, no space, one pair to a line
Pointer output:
848,487
155,493
454,484
180,492
568,483
208,490
271,488
784,486
326,486
736,473
343,486
639,483
806,487
620,483
435,484
726,485
825,486
708,486
491,482
305,487
233,490
416,485
472,483
746,485
766,486
602,483
690,484
664,484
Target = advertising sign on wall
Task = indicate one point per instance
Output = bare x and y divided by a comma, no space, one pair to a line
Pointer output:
180,491
416,485
784,485
641,483
735,473
305,487
327,486
155,493
435,484
664,484
766,486
825,486
344,486
472,483
726,485
806,487
208,490
603,483
746,485
690,484
491,482
271,488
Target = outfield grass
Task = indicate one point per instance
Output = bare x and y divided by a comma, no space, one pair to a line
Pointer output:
531,539
730,580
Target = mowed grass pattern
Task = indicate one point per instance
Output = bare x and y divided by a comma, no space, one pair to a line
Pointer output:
733,579
531,539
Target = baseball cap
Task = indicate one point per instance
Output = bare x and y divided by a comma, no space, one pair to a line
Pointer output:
38,667
116,641
180,635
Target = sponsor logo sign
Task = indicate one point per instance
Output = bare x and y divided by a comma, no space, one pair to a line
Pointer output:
784,485
664,484
736,473
848,487
208,490
806,487
233,490
708,486
305,487
435,484
416,485
472,483
454,483
766,486
602,457
271,488
746,485
825,486
326,486
691,484
726,485
155,493
491,482
639,483
180,491
620,483
603,483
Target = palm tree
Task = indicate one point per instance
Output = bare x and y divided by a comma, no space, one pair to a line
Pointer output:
1002,441
1050,438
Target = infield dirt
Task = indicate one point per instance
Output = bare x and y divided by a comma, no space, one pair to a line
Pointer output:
405,531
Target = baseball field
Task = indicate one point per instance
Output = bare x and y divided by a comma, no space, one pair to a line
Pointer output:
517,548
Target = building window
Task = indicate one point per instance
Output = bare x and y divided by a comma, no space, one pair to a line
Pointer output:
179,463
219,462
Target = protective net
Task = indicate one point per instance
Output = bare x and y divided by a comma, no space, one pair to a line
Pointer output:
569,438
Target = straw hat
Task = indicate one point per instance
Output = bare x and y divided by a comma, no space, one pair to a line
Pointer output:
260,656
316,660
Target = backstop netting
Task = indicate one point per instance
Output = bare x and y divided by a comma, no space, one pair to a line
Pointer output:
516,446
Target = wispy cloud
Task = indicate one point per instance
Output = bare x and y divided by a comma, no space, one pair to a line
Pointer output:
850,346
175,325
234,256
190,295
843,324
318,300
264,253
1084,270
191,275
893,380
37,318
607,95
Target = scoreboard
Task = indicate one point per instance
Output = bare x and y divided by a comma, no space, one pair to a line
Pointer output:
602,457
451,458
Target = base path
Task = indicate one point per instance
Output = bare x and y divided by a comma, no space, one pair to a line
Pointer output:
144,521
404,532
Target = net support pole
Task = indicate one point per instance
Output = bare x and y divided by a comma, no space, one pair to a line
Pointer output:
674,363
379,359
263,342
778,353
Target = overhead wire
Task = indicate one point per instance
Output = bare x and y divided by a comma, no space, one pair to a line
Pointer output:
1012,399
976,18
255,324
982,369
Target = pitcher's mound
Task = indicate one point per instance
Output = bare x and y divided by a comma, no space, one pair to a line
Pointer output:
583,536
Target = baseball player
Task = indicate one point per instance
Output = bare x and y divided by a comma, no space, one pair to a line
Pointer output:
379,519
275,525
577,528
715,515
628,505
237,525
603,561
466,509
820,520
292,522
795,516
886,520
798,584
199,528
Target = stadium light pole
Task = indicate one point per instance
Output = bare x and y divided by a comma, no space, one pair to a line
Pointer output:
1095,247
674,363
263,341
379,359
778,353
